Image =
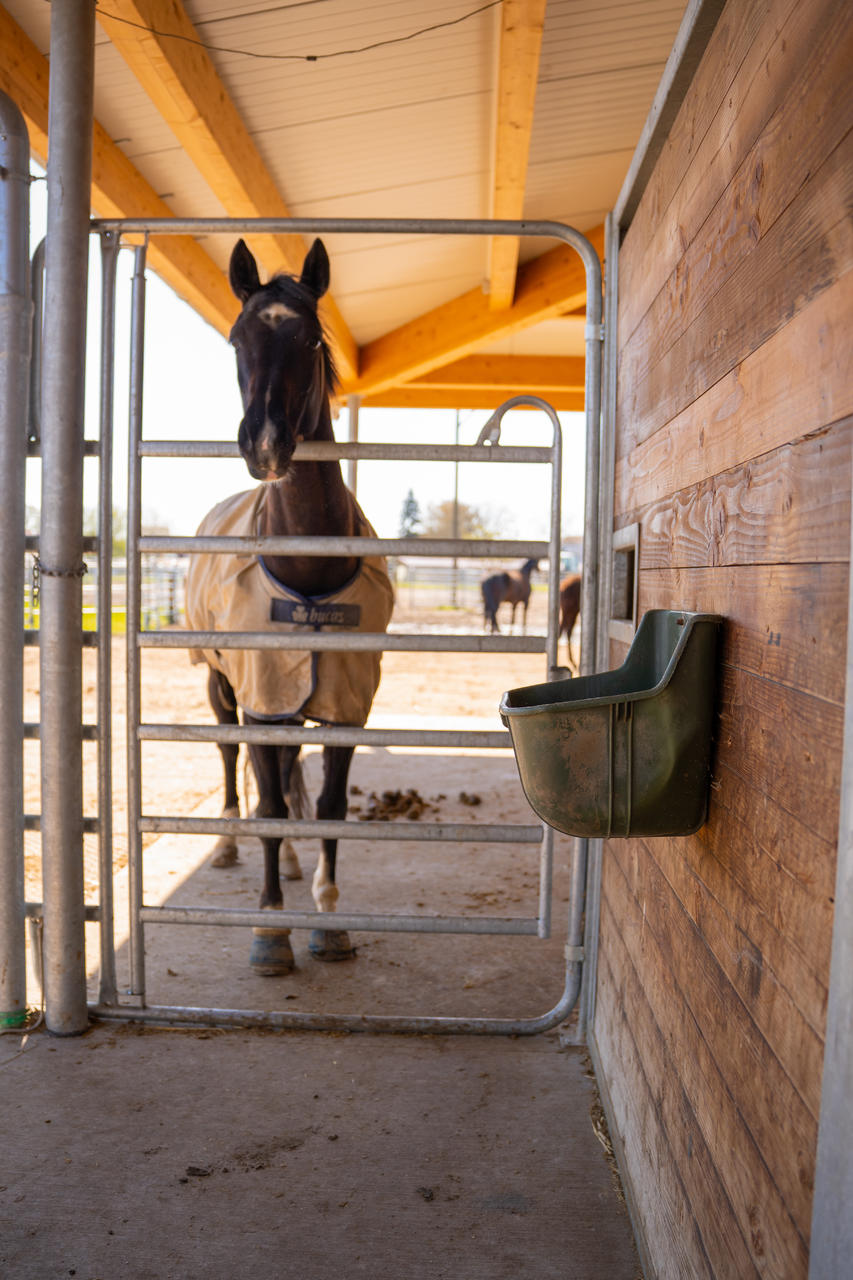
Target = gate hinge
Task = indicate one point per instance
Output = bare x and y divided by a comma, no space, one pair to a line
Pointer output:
573,954
594,333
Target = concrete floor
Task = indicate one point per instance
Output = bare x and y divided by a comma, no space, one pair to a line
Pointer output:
136,1152
140,1153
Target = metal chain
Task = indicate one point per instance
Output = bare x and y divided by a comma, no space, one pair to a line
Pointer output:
39,572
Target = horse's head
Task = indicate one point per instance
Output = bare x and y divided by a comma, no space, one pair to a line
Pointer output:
284,366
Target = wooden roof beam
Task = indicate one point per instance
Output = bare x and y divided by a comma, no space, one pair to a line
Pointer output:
181,80
550,285
421,396
522,22
506,373
118,189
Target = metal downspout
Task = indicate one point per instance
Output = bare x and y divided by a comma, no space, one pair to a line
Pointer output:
15,320
61,539
605,559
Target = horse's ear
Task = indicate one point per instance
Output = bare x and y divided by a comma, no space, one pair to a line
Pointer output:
316,272
243,271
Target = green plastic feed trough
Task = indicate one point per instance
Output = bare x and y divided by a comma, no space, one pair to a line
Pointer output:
624,752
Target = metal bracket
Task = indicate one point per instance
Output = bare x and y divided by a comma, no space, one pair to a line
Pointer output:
594,333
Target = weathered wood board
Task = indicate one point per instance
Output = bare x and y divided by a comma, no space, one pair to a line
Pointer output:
734,456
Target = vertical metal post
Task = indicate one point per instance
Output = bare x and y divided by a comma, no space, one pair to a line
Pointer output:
832,1228
353,403
134,579
15,322
61,539
109,259
586,1011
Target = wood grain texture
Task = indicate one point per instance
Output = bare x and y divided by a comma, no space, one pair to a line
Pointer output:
787,507
754,958
760,1135
808,248
787,623
711,113
678,1168
735,190
785,744
793,384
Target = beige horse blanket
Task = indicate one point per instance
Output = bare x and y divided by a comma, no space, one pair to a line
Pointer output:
238,593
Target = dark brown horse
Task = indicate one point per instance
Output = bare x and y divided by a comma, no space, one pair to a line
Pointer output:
511,587
286,377
570,606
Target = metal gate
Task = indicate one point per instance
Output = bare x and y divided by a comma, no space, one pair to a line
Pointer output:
487,450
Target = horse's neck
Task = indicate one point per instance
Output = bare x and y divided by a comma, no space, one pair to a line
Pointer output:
311,500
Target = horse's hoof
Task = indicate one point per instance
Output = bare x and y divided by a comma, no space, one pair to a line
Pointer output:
227,856
271,955
330,944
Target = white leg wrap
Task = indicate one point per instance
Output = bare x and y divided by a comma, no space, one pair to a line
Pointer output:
290,867
325,893
224,852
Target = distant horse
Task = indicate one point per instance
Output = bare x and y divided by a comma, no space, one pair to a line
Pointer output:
513,588
570,605
286,377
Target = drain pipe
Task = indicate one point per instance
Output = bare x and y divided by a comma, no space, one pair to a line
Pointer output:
72,44
15,309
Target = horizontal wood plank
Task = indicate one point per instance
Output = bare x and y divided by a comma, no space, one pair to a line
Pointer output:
688,176
750,1120
804,253
787,507
785,744
744,190
784,622
680,1174
795,383
755,959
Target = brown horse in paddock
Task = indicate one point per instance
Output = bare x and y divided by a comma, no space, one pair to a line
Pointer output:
286,377
570,606
511,587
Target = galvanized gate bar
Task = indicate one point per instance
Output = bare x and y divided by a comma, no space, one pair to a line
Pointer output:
291,545
361,641
333,735
107,973
338,829
486,452
132,614
14,378
363,922
328,450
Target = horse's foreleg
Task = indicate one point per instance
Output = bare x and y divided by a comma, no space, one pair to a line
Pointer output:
331,944
224,704
271,953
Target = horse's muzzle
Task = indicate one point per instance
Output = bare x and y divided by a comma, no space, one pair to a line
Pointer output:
266,457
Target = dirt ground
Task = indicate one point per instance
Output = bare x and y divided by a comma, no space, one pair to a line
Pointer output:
178,776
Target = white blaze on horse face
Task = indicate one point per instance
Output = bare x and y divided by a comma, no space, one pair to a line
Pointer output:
324,892
274,313
265,443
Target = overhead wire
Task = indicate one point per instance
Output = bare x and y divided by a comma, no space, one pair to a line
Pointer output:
299,57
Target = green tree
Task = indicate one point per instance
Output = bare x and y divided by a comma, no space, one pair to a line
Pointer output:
410,517
471,522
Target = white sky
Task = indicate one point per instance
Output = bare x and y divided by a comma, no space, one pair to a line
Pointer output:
190,392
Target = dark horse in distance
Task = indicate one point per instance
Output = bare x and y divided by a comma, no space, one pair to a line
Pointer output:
570,607
286,377
511,587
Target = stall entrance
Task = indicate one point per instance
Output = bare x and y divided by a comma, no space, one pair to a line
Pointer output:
530,838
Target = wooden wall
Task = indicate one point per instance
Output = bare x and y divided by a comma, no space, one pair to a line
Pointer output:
734,434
